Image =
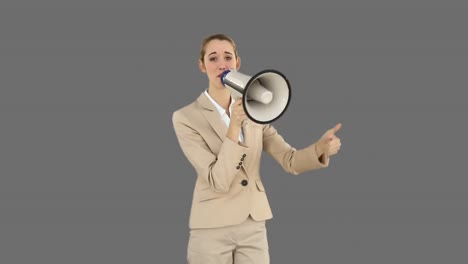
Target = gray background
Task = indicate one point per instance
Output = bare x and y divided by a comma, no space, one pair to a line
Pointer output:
91,172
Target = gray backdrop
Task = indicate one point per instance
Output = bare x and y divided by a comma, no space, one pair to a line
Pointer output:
91,172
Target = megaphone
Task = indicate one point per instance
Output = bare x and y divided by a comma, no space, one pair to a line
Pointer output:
265,95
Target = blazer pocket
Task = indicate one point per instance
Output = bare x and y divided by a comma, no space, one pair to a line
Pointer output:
260,185
208,194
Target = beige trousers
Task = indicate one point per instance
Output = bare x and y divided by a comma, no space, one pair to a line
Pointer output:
240,244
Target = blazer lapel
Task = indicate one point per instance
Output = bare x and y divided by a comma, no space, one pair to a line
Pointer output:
212,115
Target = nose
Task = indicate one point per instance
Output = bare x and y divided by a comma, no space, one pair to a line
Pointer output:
224,67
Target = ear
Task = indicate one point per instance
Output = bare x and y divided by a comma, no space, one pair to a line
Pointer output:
201,65
238,64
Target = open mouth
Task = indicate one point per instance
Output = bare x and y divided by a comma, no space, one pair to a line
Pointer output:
221,73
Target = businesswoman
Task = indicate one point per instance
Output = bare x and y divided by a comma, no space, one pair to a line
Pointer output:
230,205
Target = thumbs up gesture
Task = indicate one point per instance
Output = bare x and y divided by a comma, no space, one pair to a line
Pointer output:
329,143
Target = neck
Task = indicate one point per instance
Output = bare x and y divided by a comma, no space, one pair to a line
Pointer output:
221,95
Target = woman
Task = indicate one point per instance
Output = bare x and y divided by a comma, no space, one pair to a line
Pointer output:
230,206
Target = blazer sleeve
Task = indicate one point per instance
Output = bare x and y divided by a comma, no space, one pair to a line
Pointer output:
293,161
218,171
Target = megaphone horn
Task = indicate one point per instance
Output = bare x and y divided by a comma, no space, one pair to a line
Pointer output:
265,96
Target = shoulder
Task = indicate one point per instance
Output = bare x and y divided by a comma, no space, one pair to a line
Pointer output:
184,112
187,113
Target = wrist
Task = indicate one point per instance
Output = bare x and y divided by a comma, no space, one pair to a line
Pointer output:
234,125
319,148
233,132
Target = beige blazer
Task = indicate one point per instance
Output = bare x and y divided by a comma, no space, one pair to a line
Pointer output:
228,186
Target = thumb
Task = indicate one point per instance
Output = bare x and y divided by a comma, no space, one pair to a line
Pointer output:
331,132
335,129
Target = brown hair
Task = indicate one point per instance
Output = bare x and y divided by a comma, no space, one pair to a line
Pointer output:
218,37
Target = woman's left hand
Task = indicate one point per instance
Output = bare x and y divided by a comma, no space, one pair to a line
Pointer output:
329,143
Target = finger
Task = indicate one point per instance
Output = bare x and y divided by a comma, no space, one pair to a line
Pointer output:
334,150
241,116
239,112
334,146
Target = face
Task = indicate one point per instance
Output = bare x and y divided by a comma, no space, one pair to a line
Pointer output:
219,56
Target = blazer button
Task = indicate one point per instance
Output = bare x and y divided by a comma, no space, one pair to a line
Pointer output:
240,163
242,159
244,182
238,167
244,155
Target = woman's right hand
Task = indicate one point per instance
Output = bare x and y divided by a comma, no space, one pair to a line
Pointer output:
238,114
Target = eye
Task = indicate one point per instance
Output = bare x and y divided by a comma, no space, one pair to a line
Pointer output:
213,59
228,58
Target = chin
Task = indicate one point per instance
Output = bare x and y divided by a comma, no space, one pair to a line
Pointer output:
220,85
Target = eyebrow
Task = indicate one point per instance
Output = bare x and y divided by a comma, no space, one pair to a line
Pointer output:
214,52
